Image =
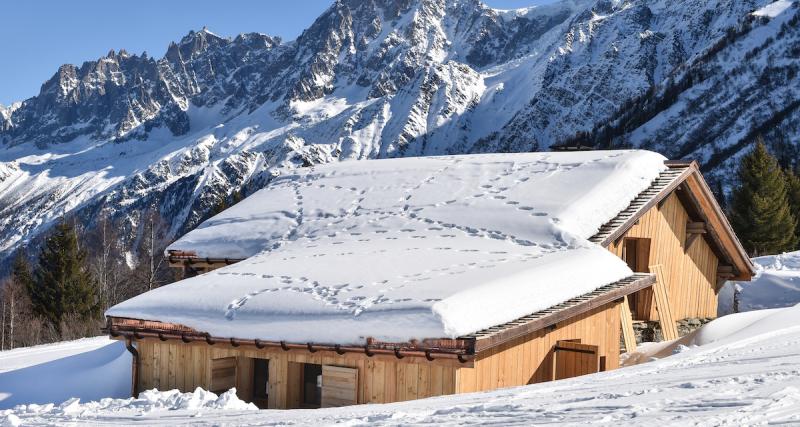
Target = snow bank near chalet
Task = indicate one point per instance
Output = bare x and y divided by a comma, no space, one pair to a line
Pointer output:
90,368
743,372
148,402
724,331
776,284
404,249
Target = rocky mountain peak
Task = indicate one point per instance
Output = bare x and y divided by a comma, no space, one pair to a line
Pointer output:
385,78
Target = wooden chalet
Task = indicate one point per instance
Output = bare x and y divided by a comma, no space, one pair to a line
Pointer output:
673,236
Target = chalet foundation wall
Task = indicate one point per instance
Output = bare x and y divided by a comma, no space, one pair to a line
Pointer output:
529,359
650,331
174,364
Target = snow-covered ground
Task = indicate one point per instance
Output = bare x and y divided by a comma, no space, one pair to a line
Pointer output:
776,284
92,368
743,369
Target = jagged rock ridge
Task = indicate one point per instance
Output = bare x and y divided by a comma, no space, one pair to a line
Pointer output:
383,78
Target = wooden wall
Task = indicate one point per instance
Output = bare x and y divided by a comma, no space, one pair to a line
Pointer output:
691,276
526,360
173,364
529,359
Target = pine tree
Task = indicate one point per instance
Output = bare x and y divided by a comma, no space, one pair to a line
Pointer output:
793,194
760,208
61,285
152,271
237,196
221,205
21,270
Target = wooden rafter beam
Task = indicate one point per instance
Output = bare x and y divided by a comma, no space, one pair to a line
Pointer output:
724,273
719,230
690,239
697,227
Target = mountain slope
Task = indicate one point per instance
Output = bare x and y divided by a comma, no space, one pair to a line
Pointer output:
715,104
367,79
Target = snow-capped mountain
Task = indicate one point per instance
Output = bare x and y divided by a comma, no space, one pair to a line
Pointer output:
387,78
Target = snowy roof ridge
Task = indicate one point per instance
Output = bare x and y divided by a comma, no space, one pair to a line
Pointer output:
405,249
660,188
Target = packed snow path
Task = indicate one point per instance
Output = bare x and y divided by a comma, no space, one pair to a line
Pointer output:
746,372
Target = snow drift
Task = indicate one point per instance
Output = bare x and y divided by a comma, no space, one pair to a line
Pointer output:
92,368
776,284
737,370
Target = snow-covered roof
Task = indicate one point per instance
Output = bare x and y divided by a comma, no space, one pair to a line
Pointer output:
405,249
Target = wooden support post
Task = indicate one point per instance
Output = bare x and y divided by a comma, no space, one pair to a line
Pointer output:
626,320
690,239
660,290
693,231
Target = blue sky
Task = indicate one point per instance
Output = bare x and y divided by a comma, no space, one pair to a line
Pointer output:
36,36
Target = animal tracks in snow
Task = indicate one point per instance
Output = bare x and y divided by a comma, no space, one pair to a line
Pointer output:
346,223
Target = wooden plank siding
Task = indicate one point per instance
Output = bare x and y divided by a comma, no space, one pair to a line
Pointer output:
692,274
379,380
573,359
339,386
529,359
663,304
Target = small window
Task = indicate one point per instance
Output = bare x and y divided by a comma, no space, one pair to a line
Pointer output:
636,253
261,382
312,385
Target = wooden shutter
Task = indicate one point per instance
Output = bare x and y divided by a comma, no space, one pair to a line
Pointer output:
573,359
339,386
223,374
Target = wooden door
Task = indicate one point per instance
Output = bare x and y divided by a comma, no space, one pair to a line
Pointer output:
223,374
573,359
636,253
260,383
339,386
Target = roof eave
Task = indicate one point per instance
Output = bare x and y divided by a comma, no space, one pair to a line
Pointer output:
692,177
460,350
745,268
526,325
